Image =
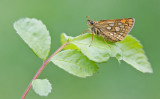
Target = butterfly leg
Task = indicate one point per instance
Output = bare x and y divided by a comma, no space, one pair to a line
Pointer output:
88,29
94,31
91,40
105,41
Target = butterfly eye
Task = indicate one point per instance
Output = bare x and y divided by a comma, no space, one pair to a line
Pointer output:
91,22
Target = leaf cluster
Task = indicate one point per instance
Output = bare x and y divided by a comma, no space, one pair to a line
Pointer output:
81,56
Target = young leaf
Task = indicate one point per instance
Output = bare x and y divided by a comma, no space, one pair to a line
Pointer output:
75,63
129,50
134,55
42,87
35,34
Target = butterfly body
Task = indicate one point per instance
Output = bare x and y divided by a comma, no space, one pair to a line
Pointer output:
112,30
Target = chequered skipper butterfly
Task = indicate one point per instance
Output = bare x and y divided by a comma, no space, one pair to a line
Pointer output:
112,30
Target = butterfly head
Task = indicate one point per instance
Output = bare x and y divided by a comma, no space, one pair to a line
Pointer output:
90,22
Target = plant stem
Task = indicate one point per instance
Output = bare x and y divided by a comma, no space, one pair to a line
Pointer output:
41,68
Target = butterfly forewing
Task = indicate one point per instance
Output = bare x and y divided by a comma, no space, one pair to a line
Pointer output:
115,30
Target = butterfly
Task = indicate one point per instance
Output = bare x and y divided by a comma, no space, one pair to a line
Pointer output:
113,30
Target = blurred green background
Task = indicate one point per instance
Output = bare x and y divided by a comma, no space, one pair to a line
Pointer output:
18,64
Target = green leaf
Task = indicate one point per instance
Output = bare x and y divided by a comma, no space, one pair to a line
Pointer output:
42,87
75,63
129,50
97,50
35,34
134,55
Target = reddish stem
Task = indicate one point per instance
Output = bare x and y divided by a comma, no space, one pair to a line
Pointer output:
42,67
